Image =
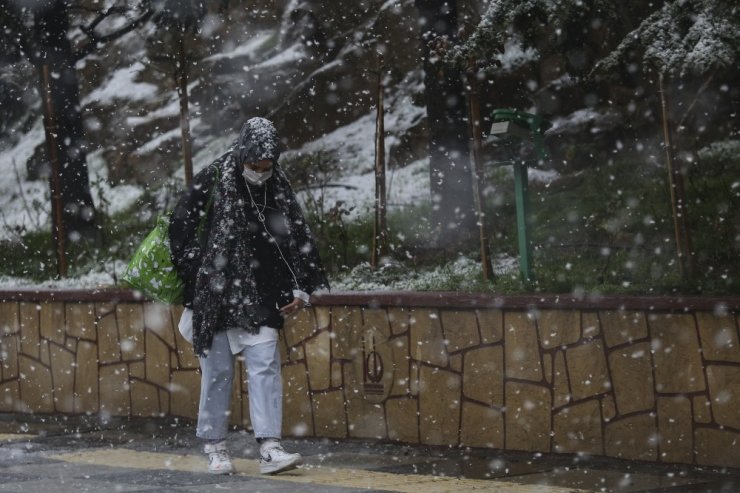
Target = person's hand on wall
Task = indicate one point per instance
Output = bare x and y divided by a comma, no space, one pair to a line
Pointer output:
292,307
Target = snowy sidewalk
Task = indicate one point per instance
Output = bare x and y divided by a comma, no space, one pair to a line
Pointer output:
41,454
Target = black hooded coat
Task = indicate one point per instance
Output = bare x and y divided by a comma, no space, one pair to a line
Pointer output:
239,270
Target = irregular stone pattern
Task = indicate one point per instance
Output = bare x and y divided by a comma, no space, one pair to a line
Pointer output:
640,385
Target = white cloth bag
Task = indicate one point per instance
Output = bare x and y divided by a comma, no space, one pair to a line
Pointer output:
186,325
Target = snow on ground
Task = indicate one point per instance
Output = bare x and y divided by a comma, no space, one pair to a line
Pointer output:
395,277
204,156
104,277
24,205
122,85
405,186
353,144
291,54
118,198
722,150
542,175
159,140
169,109
579,118
353,147
247,49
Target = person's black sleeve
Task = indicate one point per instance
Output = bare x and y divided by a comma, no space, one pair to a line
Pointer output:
311,277
185,245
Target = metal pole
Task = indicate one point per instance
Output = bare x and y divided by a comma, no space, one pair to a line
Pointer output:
475,130
380,224
521,192
57,204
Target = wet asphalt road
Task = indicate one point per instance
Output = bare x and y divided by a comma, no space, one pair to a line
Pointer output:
58,454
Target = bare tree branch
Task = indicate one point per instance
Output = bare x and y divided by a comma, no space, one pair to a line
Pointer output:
90,28
95,40
688,111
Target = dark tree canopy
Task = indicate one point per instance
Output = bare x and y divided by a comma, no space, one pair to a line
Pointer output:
40,33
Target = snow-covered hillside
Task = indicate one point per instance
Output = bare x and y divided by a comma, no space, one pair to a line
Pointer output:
316,73
132,98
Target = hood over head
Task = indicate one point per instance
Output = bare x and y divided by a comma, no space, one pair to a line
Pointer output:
258,140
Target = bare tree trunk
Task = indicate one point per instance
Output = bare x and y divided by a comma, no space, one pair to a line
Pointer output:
61,89
57,204
181,75
479,183
678,197
380,226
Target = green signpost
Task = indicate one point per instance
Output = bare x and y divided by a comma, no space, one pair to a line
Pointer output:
514,127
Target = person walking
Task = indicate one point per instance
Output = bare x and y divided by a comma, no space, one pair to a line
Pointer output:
250,264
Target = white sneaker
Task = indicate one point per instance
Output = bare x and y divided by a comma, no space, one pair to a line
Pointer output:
275,459
219,461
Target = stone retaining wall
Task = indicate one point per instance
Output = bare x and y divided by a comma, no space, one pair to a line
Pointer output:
642,378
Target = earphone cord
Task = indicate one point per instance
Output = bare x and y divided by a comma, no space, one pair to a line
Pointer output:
260,213
261,218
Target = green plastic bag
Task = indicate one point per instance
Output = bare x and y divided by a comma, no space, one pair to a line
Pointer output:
151,271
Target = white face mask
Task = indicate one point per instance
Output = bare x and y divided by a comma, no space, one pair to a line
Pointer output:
255,177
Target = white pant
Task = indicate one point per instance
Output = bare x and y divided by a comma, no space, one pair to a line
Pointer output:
265,388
